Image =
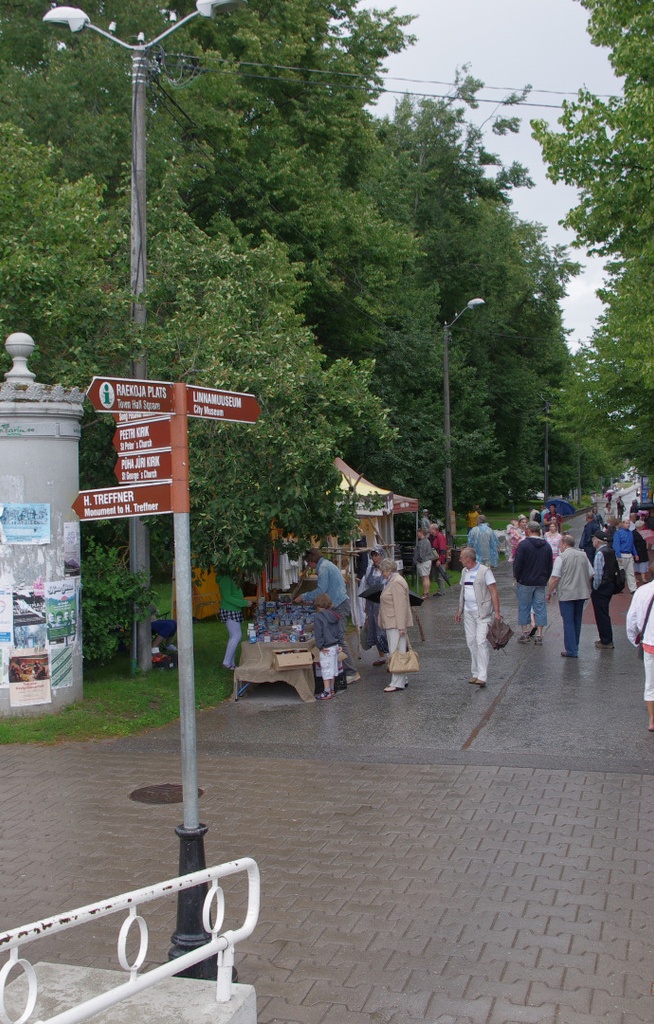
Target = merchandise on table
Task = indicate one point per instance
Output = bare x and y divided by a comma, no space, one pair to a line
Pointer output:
281,621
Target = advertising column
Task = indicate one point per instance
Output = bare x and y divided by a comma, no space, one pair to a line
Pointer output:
40,626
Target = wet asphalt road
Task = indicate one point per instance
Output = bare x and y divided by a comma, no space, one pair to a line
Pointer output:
539,710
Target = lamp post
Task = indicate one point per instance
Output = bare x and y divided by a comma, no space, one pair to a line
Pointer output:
450,526
189,933
77,20
546,475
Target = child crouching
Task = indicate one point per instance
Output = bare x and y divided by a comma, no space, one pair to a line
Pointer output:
329,631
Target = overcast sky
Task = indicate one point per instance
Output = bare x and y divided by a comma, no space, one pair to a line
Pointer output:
509,44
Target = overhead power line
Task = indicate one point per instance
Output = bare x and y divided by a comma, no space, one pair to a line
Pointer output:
334,76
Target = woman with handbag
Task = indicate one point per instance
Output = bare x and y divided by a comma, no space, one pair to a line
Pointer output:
478,602
395,617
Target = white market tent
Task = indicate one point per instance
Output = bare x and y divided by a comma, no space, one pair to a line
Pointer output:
376,507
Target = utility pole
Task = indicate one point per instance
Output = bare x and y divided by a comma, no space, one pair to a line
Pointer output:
450,519
547,450
77,20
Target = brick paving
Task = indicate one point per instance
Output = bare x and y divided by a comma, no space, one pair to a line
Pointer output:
486,890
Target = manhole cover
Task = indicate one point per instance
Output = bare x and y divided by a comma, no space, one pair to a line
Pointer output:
167,793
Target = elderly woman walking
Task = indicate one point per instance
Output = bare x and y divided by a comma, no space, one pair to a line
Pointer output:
395,617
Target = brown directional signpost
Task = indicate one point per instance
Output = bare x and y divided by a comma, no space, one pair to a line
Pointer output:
151,499
212,404
138,436
114,394
153,474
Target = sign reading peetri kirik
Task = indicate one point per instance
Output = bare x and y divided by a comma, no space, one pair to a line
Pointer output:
137,437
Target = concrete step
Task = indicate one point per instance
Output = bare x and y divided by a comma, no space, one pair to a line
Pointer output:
172,1001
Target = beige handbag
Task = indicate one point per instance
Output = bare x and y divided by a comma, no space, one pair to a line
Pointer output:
404,661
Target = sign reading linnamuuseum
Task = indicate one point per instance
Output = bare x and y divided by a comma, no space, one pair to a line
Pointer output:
115,394
118,502
214,404
136,437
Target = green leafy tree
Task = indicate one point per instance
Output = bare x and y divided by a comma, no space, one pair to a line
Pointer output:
225,315
434,178
58,265
603,149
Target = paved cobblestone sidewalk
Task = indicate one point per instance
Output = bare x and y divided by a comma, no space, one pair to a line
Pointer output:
392,894
443,856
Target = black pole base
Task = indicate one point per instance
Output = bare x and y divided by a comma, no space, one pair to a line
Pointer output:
189,933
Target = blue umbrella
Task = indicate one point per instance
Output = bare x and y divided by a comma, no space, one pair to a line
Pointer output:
564,508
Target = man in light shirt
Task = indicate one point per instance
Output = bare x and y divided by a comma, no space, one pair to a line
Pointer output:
570,579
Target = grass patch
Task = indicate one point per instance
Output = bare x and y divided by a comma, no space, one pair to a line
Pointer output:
117,703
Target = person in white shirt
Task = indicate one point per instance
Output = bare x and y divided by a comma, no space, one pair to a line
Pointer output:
640,624
478,602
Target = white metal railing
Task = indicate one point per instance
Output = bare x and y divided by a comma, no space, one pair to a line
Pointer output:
220,944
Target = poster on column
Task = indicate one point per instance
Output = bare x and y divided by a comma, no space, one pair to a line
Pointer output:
25,524
6,616
29,678
61,610
72,549
61,665
29,618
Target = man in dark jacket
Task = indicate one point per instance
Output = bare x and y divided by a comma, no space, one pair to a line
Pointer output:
586,542
532,568
606,563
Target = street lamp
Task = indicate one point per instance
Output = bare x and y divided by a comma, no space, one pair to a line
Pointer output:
189,933
450,524
76,19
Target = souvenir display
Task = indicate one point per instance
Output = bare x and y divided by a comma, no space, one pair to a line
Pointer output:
281,621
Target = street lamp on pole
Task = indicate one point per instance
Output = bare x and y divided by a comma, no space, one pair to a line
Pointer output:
77,20
450,525
189,933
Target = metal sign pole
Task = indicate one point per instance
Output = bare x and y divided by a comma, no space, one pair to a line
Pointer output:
189,932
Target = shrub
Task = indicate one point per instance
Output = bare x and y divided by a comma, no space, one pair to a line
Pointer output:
109,594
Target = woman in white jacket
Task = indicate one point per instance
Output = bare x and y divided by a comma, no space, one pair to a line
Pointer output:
640,620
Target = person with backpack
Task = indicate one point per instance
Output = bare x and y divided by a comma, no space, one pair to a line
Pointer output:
605,572
625,549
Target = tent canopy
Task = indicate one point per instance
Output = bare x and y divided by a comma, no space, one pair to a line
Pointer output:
389,503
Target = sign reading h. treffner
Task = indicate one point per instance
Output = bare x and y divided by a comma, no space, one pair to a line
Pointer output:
119,503
115,394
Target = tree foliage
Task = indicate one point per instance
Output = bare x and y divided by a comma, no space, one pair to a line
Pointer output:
299,248
604,149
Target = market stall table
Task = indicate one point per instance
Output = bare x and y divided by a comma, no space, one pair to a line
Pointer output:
257,666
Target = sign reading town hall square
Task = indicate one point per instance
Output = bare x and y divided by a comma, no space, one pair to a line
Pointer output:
114,394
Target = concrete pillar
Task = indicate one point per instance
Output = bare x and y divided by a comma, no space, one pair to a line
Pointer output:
40,622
